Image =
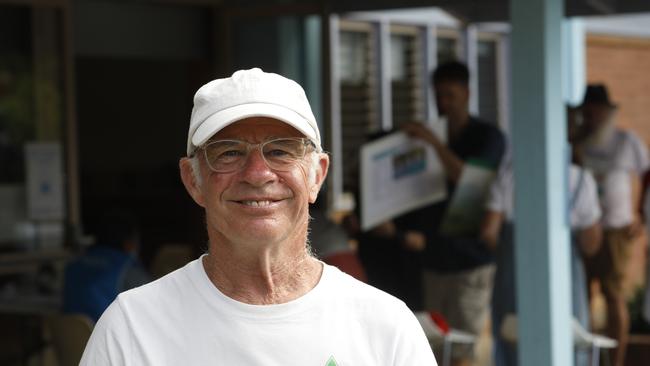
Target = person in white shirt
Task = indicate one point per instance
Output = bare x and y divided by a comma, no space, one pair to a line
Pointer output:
497,231
645,312
618,159
254,163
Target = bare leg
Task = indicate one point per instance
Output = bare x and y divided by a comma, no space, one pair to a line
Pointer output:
461,362
618,325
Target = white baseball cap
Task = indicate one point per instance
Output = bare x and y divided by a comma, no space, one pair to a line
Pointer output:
249,93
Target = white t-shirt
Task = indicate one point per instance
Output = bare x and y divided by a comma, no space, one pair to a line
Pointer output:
618,150
183,319
585,211
615,193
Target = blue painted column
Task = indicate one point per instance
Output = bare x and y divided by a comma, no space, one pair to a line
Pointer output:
540,163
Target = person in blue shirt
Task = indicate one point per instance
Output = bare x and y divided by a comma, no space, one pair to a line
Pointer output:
94,279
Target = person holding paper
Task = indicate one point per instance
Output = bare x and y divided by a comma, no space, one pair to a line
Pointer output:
258,297
458,269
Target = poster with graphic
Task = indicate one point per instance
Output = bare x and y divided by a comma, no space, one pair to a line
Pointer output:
398,174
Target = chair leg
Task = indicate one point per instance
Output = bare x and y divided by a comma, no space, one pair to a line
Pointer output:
595,356
446,353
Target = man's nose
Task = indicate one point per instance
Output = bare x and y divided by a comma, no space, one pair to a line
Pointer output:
256,171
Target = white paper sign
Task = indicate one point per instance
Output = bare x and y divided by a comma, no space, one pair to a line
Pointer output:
45,194
398,174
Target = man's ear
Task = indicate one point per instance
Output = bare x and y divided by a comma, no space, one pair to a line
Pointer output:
189,181
321,174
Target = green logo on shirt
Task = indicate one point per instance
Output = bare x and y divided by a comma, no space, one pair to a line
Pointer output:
331,362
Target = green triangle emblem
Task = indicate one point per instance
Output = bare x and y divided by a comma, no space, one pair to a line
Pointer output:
331,362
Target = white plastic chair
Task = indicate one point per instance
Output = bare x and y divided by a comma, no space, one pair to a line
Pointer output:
582,338
435,334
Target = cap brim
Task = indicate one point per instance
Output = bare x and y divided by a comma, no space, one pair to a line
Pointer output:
224,118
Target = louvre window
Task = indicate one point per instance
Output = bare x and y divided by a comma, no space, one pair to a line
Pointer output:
488,80
406,80
359,116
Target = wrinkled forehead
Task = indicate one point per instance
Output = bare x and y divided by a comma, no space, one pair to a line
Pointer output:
257,129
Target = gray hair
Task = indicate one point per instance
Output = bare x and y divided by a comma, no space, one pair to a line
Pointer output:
196,169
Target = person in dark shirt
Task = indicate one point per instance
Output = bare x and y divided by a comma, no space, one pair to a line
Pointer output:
458,270
94,279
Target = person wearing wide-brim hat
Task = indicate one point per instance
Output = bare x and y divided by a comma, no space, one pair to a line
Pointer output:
617,158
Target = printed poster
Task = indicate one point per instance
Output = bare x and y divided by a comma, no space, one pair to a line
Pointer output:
398,174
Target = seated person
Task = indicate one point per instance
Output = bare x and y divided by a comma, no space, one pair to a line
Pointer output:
94,279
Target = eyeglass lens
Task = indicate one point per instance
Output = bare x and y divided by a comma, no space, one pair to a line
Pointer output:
230,155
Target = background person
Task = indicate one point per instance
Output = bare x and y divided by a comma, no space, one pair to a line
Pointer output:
498,232
458,270
109,267
617,158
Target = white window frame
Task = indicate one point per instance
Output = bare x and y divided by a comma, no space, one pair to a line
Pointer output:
467,36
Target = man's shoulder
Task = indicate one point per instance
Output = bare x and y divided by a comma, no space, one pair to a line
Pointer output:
629,136
360,294
165,290
487,128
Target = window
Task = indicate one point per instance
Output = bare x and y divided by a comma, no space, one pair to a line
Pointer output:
359,114
32,114
488,90
406,85
448,45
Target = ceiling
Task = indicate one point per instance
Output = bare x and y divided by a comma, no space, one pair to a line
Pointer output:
494,10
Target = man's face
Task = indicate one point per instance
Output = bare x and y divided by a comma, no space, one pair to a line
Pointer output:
256,203
452,98
596,116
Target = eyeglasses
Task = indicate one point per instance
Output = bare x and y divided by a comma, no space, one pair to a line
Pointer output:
225,156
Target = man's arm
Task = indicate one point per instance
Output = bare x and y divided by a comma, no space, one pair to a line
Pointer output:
452,164
589,239
490,228
636,227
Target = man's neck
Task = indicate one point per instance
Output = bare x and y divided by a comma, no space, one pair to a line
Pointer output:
456,124
272,275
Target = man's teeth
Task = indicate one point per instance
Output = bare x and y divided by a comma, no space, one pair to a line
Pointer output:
257,203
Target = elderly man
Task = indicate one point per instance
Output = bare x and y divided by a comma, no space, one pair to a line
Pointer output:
257,297
618,158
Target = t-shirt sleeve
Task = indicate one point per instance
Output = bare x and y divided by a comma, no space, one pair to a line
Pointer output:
491,148
499,196
635,154
412,346
109,343
586,210
495,199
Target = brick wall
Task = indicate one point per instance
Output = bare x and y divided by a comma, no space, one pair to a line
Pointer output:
623,64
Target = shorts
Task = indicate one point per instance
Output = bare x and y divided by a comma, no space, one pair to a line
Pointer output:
609,263
463,298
